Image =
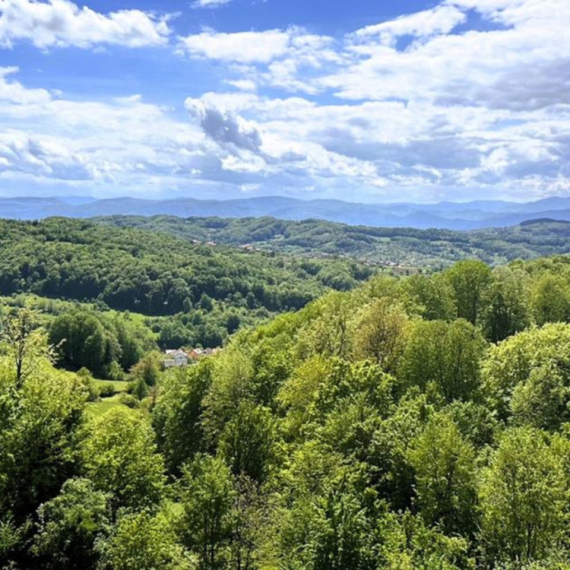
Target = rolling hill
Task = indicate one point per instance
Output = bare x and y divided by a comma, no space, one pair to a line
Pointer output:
390,246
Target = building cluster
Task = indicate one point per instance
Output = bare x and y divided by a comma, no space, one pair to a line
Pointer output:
180,357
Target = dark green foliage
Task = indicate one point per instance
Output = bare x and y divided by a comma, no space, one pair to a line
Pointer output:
158,275
178,415
246,443
506,304
150,273
404,246
88,339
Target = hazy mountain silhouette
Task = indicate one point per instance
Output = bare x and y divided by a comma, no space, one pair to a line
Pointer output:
445,215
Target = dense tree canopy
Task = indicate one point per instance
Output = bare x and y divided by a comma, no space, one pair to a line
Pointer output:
419,422
205,292
402,246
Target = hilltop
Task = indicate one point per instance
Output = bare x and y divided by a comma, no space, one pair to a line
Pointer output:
394,247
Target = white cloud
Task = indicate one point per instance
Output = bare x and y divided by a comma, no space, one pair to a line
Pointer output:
440,115
244,47
242,84
14,92
439,20
61,23
210,3
225,128
43,157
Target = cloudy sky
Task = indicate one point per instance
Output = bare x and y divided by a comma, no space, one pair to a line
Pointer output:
362,100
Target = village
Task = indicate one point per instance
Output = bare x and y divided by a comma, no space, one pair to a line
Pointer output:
181,357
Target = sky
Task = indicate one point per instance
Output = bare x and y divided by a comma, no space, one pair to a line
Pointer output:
360,100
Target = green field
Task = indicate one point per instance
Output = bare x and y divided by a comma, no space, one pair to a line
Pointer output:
103,406
120,386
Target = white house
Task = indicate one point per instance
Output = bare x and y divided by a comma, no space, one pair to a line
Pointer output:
175,358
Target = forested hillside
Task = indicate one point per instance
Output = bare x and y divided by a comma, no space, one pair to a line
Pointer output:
400,246
190,293
413,423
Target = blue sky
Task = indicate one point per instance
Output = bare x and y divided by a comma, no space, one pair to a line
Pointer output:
364,100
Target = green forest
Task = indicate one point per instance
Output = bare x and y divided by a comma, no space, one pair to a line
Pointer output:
190,294
399,246
380,422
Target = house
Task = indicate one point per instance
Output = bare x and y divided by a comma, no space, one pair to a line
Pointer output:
199,353
180,358
175,359
196,354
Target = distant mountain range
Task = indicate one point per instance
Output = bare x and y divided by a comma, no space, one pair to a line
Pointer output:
445,215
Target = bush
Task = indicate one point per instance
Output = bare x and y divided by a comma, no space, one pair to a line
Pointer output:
129,401
107,390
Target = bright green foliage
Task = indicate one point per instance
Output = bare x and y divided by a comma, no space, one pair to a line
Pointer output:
298,393
330,334
12,539
445,356
380,333
476,422
39,439
433,295
529,375
373,429
469,280
523,498
444,465
551,299
120,457
207,497
25,343
146,542
232,384
406,543
70,525
148,369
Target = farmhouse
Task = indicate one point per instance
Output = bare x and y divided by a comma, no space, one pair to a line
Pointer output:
179,358
175,358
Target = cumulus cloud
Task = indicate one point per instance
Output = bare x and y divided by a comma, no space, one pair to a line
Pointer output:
439,20
122,145
22,153
225,128
245,47
421,107
14,92
281,58
61,23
